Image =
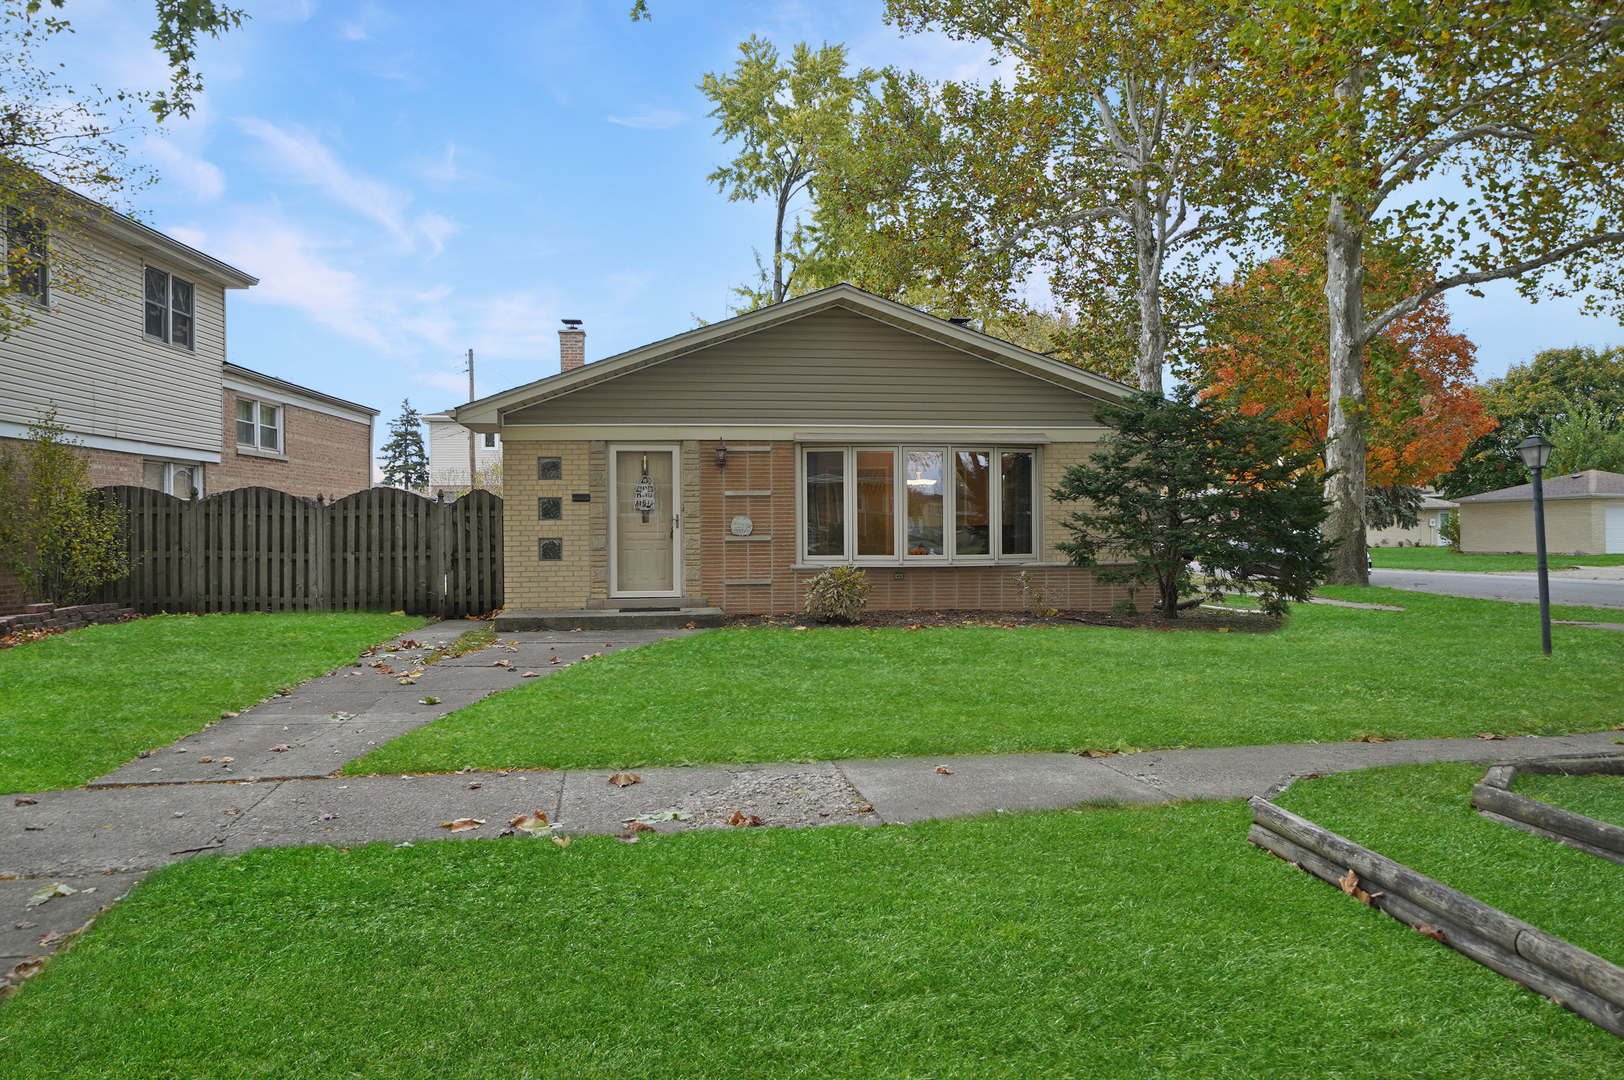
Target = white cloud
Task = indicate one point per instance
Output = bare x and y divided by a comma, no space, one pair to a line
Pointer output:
443,171
650,118
302,158
199,178
435,229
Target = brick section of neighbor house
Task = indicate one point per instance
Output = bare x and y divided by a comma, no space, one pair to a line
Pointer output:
530,583
324,455
754,574
1572,527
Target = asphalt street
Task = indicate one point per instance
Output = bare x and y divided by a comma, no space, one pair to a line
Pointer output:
1521,588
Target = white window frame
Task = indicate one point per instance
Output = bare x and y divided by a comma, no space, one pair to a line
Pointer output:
950,557
281,447
167,482
167,337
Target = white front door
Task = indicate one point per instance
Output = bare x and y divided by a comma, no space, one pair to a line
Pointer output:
1615,529
645,522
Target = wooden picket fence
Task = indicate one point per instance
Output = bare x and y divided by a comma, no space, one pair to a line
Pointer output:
255,549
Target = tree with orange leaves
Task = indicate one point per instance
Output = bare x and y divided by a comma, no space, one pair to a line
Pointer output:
1268,354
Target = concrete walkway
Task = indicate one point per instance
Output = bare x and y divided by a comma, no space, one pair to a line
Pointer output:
103,838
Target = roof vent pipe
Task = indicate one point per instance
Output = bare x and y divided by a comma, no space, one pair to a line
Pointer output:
571,345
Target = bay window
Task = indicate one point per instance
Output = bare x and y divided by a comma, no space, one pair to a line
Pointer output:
917,504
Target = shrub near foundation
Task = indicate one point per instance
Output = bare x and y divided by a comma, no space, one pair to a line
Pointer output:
839,594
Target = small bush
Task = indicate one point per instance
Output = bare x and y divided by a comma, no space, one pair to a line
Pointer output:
839,594
1449,530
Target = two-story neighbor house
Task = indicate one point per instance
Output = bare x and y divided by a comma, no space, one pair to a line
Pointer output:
136,371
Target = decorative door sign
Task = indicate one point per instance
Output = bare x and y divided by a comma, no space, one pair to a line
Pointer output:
643,499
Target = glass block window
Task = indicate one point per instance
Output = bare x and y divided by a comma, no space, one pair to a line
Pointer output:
550,548
550,508
549,468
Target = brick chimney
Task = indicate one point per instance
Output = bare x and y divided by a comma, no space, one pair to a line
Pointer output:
571,345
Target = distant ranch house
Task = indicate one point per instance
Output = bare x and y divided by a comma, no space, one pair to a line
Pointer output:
723,468
1584,515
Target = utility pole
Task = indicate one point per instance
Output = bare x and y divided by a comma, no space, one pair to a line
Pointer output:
471,471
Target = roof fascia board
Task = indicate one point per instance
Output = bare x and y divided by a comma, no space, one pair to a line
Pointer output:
150,241
250,381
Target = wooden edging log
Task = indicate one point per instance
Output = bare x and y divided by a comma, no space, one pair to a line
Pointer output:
1552,822
1566,974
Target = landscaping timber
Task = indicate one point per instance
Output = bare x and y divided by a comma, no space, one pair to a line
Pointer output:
1493,799
1577,980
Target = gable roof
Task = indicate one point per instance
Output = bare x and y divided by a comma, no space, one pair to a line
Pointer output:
1579,485
487,413
150,241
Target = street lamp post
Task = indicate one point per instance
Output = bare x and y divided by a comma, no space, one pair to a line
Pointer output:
1536,451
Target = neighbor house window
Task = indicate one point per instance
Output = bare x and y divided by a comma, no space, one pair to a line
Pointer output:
259,425
170,309
25,256
490,439
183,479
920,503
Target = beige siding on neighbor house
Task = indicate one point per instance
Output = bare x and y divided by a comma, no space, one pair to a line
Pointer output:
829,368
1572,527
90,359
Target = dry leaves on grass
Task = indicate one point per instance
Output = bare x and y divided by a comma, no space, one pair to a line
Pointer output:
1373,738
741,820
1096,753
463,824
562,841
532,823
1489,735
1431,931
625,779
1350,885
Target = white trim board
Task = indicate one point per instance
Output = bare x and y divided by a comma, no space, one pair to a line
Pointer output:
125,446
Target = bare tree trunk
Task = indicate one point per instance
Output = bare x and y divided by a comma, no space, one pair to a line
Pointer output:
778,246
1152,331
1345,445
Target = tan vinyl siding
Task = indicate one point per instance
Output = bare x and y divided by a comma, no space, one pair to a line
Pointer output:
831,367
1572,527
91,360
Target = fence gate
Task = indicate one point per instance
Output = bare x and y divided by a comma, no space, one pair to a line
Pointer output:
255,549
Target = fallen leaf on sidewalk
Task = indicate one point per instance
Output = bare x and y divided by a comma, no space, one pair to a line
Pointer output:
227,760
406,680
744,821
463,824
49,892
1431,931
229,715
664,815
509,649
625,779
1097,753
343,716
24,800
866,808
944,770
52,938
475,786
562,841
529,675
233,812
1489,735
499,663
328,817
428,701
638,826
281,748
554,660
205,760
532,823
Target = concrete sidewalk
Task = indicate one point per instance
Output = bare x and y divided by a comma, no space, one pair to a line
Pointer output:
107,838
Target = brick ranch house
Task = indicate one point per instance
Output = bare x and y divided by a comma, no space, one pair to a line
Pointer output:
138,376
728,465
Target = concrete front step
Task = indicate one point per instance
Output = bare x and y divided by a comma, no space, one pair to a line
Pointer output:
609,619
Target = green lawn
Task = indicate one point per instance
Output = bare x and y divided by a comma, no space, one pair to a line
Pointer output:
1443,666
1110,943
74,706
1600,797
1441,558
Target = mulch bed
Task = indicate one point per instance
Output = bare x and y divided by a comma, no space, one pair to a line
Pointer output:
1196,619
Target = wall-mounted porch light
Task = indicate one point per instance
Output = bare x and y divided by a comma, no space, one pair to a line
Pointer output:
721,455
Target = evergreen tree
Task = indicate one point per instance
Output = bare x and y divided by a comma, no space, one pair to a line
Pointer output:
1186,479
404,462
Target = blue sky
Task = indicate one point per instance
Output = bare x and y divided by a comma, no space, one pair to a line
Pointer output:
411,180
